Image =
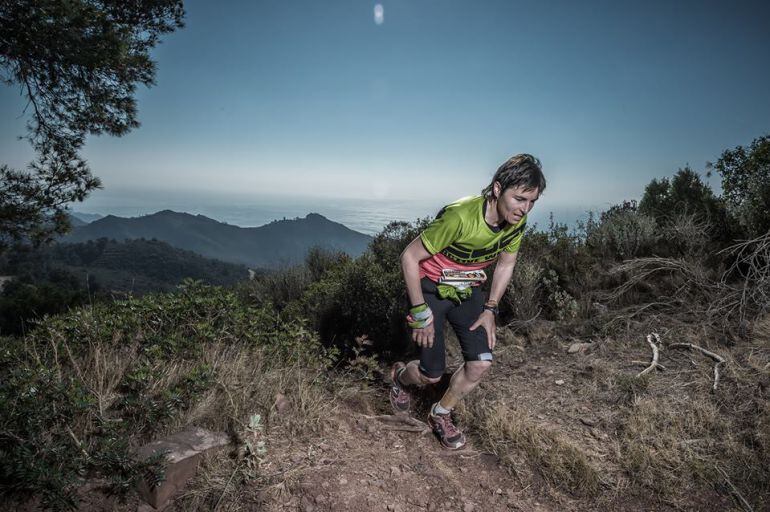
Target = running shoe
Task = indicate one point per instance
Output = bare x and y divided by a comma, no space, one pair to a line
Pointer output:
400,399
446,431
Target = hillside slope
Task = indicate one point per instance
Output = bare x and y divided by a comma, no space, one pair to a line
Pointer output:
284,242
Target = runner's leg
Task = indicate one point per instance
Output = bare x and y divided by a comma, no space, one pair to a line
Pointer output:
476,352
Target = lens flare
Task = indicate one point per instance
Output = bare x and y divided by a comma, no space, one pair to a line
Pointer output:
379,14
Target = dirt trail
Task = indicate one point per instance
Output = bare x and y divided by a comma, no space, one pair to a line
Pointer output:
366,466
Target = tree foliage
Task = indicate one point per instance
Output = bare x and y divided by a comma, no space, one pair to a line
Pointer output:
77,63
686,194
745,176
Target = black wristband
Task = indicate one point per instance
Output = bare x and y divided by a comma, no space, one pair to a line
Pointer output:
494,309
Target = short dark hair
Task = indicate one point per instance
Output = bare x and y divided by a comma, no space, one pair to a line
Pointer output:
519,170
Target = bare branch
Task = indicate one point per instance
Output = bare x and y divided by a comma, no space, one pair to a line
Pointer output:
655,353
716,357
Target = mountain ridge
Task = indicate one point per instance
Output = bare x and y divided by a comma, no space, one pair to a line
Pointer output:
281,242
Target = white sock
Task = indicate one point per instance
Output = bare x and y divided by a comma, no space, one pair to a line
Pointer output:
437,409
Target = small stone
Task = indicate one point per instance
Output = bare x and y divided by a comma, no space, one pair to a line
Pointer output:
498,491
468,507
281,404
394,471
578,347
519,348
560,382
343,481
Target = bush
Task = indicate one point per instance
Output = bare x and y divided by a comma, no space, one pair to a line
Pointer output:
523,296
279,287
360,297
365,296
622,232
320,260
745,176
387,246
686,195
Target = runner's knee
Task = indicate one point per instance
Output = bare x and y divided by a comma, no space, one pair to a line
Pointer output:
475,370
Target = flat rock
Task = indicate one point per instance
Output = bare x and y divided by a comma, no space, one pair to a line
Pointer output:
182,453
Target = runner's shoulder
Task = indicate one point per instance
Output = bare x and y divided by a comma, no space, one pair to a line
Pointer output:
463,207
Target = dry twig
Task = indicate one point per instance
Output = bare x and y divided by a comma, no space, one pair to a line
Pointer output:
752,297
716,357
655,354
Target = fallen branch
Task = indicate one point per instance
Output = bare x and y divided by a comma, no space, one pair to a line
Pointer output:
716,357
655,354
658,367
401,419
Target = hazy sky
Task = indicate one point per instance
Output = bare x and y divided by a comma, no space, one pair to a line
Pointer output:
413,98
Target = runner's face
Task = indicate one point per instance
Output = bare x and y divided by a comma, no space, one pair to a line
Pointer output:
515,202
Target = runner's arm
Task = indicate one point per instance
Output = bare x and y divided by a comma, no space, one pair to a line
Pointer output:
414,253
502,275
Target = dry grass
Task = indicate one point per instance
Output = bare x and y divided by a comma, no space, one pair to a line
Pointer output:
514,436
672,445
246,383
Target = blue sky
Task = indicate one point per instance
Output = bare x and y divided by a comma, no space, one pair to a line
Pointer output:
316,99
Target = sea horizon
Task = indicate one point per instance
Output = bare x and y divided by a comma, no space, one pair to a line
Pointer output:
367,216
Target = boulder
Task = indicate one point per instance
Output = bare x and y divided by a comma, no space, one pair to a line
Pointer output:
182,452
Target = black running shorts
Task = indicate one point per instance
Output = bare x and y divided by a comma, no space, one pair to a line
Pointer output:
461,316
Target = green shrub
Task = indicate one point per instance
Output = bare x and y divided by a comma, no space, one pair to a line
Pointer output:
686,195
387,246
279,287
745,176
622,232
365,296
320,260
523,296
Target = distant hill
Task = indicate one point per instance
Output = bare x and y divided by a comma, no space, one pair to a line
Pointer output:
85,218
279,243
76,222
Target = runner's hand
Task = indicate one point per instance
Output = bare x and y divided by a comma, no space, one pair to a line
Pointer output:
424,337
487,321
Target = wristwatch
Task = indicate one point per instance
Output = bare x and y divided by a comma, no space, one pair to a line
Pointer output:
491,305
